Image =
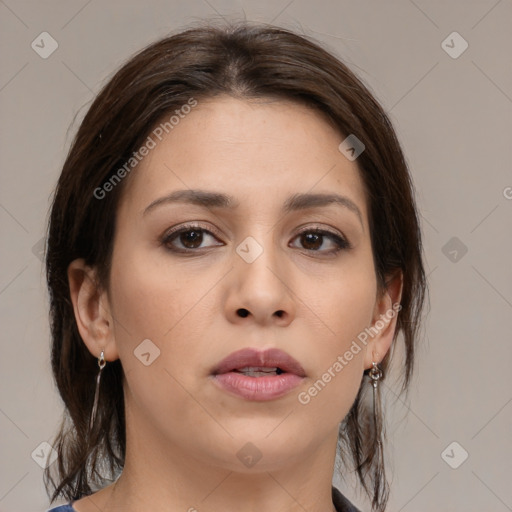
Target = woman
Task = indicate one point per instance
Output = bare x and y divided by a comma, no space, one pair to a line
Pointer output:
233,250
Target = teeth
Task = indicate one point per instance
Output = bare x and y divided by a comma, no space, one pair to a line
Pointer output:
259,371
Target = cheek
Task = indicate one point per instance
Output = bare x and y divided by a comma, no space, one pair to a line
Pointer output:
330,396
150,300
339,304
337,362
336,366
167,305
147,305
155,336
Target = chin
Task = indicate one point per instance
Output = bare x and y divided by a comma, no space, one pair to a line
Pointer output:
257,449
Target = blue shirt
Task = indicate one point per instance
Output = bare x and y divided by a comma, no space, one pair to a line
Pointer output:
340,502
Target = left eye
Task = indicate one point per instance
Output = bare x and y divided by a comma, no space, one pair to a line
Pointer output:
313,239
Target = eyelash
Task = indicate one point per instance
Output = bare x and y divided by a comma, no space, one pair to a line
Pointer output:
340,242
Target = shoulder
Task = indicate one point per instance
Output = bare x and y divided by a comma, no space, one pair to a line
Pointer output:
62,508
341,503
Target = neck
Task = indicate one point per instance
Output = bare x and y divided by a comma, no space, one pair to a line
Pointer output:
162,477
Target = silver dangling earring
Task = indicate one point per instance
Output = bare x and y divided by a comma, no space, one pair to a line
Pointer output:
101,364
78,484
376,374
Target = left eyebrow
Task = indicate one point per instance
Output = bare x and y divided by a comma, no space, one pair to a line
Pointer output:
295,202
304,201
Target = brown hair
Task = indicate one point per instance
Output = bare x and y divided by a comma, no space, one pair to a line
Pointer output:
244,61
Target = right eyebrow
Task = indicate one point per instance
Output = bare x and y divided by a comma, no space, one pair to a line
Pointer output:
197,197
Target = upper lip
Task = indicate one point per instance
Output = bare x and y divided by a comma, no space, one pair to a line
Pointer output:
251,357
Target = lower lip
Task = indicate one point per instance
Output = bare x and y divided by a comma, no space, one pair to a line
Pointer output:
258,388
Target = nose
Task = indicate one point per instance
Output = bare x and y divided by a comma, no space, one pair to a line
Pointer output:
261,291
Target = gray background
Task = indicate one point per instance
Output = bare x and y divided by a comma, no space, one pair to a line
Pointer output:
453,116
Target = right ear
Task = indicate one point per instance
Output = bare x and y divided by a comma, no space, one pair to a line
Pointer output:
92,310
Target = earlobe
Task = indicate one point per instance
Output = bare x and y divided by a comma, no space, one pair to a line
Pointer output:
384,321
92,310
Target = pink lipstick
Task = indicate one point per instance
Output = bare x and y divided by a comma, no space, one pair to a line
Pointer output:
258,375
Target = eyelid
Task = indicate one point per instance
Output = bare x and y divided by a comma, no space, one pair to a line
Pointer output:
319,227
326,231
335,235
190,225
214,231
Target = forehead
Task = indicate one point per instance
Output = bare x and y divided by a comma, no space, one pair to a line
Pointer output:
250,149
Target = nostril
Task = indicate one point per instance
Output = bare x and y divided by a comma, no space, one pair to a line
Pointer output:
280,313
242,312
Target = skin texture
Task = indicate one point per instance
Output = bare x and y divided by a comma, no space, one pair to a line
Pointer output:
183,432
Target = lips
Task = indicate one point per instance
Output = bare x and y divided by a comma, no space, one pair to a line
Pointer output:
258,375
270,360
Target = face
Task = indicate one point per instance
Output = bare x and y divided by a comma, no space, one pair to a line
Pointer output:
193,281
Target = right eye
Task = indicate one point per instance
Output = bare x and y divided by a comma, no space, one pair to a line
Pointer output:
189,237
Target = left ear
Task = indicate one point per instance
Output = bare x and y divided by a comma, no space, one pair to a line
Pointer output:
387,307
